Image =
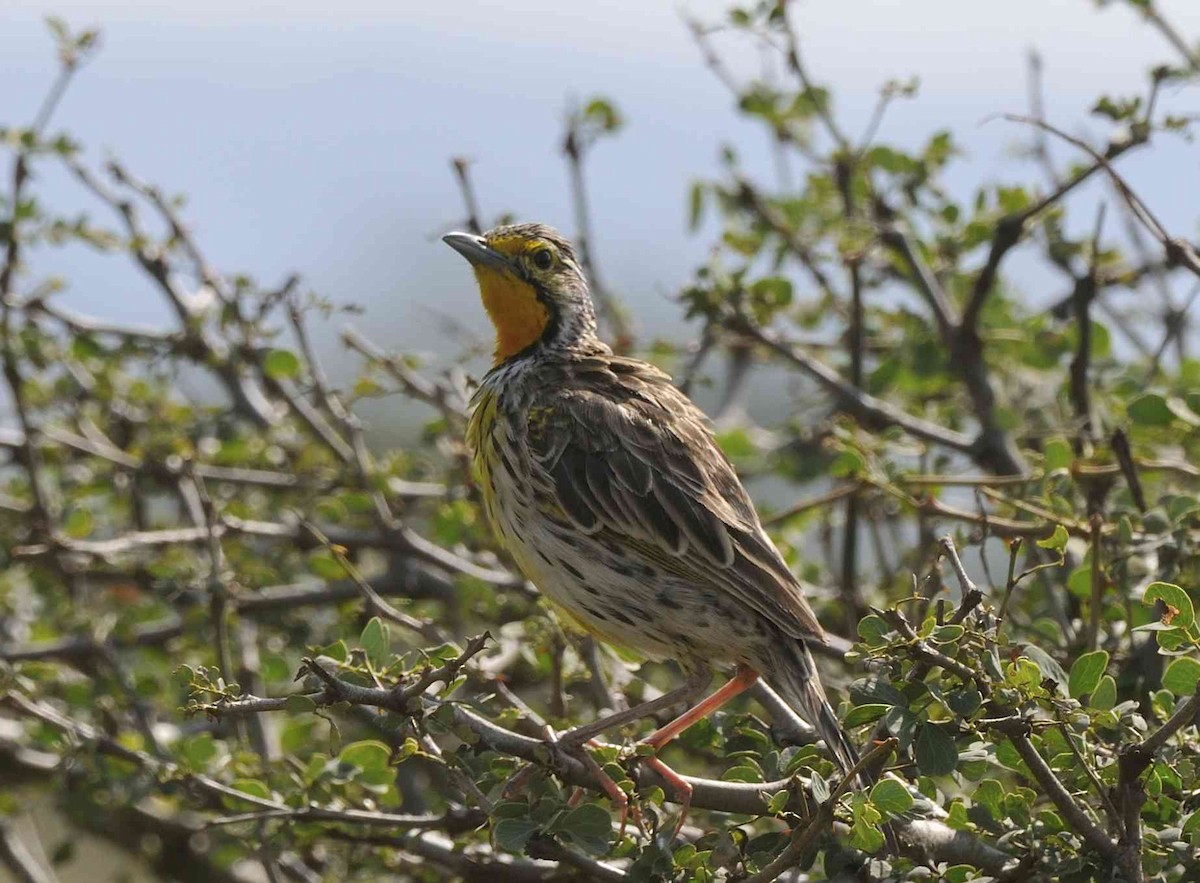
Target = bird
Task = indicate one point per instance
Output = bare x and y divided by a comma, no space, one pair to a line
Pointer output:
605,484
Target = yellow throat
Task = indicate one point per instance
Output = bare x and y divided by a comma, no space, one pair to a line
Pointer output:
512,304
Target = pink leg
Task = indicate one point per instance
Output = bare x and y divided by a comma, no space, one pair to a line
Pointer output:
745,678
680,785
612,789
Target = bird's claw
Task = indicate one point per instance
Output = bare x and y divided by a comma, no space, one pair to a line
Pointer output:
560,752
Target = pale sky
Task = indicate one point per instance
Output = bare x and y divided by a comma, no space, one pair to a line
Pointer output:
315,136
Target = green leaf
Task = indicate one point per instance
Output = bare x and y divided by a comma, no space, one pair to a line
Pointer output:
1046,664
375,642
891,797
990,794
1149,409
1104,696
588,826
1057,540
253,787
935,752
370,754
947,634
819,787
84,347
866,837
511,835
964,702
410,747
696,205
199,751
875,689
1086,673
1192,826
1057,454
1181,676
336,651
78,524
1180,612
1179,408
957,819
281,364
604,113
864,714
778,801
299,704
742,773
324,565
184,675
873,630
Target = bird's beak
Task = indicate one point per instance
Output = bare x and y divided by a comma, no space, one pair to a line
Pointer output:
476,250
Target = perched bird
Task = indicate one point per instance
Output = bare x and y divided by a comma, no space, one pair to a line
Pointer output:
605,484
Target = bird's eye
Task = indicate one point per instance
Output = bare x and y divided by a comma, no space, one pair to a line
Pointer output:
542,259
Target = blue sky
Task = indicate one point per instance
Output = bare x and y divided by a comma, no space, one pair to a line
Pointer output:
316,137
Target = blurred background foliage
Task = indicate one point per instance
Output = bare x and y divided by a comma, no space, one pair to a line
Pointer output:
246,638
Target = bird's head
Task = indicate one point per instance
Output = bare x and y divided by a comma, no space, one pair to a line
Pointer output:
531,285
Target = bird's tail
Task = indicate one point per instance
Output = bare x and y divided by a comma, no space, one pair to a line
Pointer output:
794,677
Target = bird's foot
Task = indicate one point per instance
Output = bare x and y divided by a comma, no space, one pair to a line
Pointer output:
679,787
561,754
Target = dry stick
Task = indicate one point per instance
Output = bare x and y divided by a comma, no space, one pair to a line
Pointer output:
1131,764
1037,110
971,595
1179,252
97,446
831,496
15,855
1173,320
423,584
928,657
778,223
255,730
1096,579
1079,387
196,342
1009,585
967,480
375,603
1128,465
1009,228
855,401
796,63
411,382
1072,525
169,773
1102,790
844,173
460,165
611,311
1153,15
966,344
401,540
43,510
745,798
1017,730
804,838
926,283
994,448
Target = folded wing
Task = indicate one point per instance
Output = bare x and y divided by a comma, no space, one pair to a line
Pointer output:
621,450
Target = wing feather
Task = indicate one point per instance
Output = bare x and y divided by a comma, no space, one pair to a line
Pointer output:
620,450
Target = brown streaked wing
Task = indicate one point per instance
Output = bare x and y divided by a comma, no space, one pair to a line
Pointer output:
624,451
